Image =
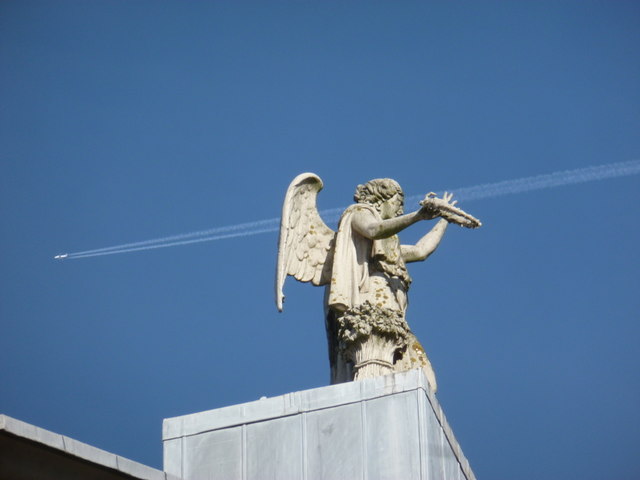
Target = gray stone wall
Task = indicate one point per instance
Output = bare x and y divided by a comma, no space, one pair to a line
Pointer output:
387,427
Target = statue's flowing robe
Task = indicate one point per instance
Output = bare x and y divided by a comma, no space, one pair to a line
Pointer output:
368,270
350,269
365,269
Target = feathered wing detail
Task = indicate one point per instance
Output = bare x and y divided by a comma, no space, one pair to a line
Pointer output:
306,242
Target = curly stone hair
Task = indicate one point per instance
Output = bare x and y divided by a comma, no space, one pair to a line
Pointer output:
377,191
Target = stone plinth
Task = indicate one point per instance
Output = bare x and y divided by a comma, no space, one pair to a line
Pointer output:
387,427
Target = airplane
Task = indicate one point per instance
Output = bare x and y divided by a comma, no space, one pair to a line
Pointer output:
60,257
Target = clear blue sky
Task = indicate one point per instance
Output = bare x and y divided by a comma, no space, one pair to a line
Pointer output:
124,121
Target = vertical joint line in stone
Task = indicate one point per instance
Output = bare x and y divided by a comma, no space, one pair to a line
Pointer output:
244,451
303,425
444,442
363,436
182,448
422,444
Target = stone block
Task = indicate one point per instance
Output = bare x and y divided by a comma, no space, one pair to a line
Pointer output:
381,428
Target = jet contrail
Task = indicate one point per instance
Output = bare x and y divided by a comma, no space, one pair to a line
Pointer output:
548,180
477,192
170,244
176,239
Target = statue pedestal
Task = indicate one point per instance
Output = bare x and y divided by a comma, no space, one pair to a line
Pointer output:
387,427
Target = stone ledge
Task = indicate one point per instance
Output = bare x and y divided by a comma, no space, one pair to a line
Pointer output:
305,402
294,403
69,447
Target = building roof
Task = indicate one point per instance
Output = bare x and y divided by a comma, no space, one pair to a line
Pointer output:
28,452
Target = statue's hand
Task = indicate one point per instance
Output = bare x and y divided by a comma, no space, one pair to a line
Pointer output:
433,209
444,207
429,210
447,197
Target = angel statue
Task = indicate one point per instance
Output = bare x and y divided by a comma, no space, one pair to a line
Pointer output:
363,266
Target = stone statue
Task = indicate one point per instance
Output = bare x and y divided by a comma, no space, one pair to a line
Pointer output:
363,266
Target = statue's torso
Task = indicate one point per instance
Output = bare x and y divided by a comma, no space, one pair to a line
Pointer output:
380,275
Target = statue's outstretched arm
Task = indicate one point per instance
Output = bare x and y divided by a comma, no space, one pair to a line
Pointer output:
366,224
426,245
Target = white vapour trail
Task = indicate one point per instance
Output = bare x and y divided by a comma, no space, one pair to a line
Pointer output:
549,180
217,233
176,239
175,243
477,192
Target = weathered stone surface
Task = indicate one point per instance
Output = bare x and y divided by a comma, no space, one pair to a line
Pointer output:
386,427
363,266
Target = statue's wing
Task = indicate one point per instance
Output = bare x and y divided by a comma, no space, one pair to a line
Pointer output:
305,240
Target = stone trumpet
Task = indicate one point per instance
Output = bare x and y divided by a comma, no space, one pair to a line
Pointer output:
440,207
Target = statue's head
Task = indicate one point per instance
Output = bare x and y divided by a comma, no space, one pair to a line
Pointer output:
384,194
